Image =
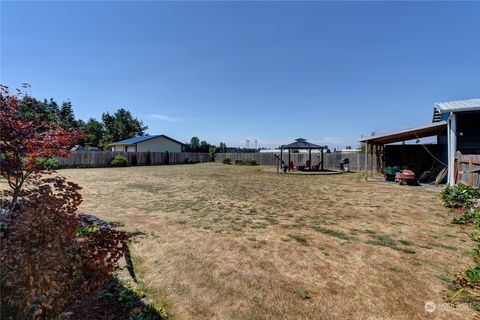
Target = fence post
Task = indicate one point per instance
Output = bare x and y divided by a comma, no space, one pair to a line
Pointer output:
470,169
457,165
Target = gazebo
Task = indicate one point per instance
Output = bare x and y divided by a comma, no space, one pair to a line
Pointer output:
302,144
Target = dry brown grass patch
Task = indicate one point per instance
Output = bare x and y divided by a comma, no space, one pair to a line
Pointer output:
217,242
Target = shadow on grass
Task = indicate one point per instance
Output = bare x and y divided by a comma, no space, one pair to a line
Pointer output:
115,301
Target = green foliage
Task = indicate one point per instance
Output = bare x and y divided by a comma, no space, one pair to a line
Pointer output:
385,241
87,164
222,147
302,293
94,132
459,196
46,163
406,242
471,215
85,230
120,126
334,233
66,115
194,144
48,111
470,278
227,161
212,151
473,275
189,161
246,162
127,297
150,312
119,161
298,237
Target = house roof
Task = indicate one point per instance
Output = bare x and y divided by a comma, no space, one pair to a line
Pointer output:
432,129
458,105
136,140
302,144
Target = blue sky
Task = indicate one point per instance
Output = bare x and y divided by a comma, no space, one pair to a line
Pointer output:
231,71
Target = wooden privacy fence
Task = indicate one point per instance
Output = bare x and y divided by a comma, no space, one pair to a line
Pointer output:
467,169
95,159
331,161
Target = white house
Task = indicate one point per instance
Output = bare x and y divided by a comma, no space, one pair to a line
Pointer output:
157,143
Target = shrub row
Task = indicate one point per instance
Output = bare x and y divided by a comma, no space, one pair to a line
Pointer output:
464,197
459,196
246,162
121,161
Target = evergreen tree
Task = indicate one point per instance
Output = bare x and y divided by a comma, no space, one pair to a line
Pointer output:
222,147
94,132
194,145
120,126
66,115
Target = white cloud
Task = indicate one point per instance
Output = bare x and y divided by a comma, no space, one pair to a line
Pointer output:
163,117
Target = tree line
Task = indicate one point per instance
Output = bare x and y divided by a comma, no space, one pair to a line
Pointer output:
119,125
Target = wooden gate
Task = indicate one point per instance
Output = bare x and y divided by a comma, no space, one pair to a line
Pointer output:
467,169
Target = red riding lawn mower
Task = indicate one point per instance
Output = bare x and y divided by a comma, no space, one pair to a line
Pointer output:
403,176
406,176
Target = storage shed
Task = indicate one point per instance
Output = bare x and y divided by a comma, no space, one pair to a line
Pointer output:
157,143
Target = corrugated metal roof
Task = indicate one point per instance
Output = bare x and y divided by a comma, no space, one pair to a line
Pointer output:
458,105
409,134
136,140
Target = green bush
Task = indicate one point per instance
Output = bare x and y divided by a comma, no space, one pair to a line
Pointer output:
473,275
119,161
87,164
471,215
83,231
459,196
127,297
46,163
212,151
246,162
189,161
227,161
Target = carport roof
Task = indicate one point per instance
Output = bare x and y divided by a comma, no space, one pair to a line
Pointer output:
409,134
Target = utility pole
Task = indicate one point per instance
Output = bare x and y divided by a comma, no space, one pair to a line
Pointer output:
256,142
248,143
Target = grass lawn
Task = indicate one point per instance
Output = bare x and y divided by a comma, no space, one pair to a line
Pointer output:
213,241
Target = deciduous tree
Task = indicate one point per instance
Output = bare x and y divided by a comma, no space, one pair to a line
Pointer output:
25,138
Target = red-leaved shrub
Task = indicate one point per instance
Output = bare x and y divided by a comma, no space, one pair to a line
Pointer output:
45,266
